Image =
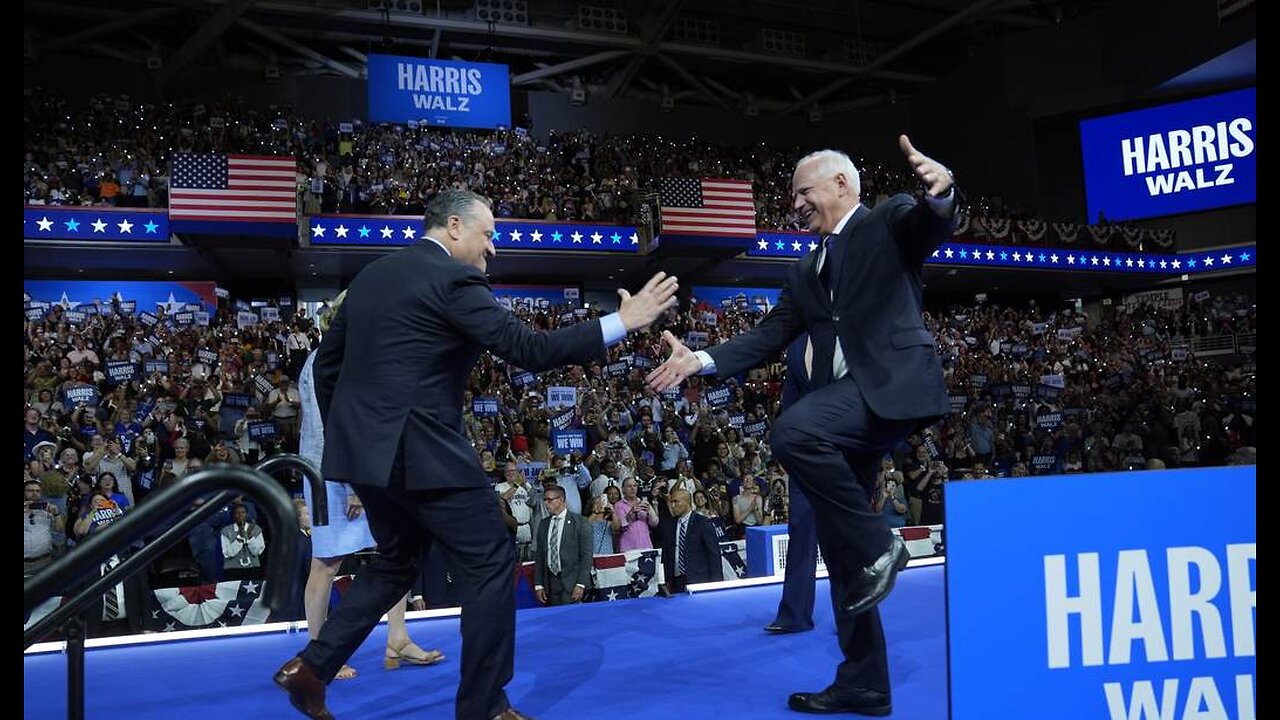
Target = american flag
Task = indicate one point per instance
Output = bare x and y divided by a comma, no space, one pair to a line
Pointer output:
707,206
252,188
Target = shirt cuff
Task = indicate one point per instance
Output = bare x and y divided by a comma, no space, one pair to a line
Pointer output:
944,205
708,365
612,329
537,587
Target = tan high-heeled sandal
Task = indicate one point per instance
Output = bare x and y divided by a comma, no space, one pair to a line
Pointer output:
396,656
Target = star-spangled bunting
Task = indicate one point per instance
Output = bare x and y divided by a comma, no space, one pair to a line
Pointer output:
56,222
204,606
406,230
795,245
399,231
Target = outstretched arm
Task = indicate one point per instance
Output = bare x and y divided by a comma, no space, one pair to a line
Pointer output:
682,364
919,228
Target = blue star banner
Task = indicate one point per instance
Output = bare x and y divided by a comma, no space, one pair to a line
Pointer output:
795,245
53,222
716,296
401,230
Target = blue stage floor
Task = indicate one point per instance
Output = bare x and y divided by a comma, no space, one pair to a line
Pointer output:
702,655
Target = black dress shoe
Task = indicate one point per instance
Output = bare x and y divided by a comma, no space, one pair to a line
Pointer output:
775,628
831,701
305,688
876,580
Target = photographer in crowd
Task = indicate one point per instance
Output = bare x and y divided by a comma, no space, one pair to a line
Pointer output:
41,518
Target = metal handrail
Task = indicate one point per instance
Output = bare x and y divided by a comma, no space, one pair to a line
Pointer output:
160,508
134,563
319,498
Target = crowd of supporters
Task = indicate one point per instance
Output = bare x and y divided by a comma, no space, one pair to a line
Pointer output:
1035,391
115,151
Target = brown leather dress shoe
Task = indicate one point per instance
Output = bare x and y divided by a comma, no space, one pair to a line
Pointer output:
305,688
511,714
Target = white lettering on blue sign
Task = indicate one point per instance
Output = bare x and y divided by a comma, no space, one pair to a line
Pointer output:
1167,153
1180,148
438,79
1139,611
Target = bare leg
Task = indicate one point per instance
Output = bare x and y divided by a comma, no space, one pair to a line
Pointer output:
400,647
397,631
319,587
316,601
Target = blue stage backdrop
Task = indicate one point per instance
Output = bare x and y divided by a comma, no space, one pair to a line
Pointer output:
535,296
1116,595
720,297
1170,159
438,92
174,296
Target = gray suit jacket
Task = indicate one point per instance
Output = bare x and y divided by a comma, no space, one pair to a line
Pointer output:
575,553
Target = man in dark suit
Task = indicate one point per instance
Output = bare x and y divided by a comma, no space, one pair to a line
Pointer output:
390,376
562,552
690,550
795,609
859,296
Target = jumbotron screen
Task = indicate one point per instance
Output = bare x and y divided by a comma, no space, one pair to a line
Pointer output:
1171,159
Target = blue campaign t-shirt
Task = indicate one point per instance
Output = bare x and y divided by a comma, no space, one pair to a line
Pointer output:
103,510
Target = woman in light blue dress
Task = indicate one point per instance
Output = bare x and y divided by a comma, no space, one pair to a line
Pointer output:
346,533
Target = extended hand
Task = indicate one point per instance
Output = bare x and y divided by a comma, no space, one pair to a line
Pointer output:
936,178
656,297
679,366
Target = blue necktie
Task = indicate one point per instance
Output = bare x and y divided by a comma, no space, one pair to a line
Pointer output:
824,273
829,275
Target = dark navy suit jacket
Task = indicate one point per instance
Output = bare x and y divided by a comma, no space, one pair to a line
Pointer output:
876,313
395,363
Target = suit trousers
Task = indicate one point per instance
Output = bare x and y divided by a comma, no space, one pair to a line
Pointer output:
795,610
831,443
468,524
559,591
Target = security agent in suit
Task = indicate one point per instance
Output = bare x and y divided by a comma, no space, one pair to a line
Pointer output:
389,377
562,552
795,609
859,296
690,549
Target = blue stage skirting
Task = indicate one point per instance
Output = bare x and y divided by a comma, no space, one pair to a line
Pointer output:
701,655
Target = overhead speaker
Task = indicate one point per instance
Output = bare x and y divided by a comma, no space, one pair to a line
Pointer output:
507,12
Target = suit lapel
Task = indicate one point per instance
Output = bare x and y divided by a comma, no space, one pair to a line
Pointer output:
844,247
809,280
